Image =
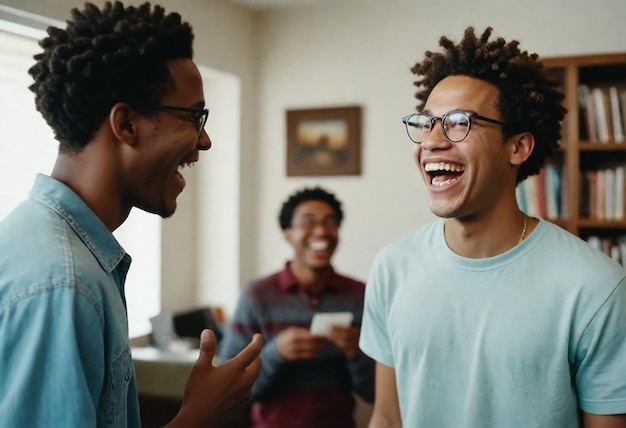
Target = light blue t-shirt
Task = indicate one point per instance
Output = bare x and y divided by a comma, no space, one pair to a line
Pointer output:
523,339
64,352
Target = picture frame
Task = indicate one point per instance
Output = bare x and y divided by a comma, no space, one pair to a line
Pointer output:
324,141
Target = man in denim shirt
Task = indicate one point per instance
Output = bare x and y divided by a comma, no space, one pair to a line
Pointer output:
120,90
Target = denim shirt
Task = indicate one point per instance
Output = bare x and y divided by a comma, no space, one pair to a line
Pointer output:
64,351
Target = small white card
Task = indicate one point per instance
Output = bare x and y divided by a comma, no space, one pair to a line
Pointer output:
323,321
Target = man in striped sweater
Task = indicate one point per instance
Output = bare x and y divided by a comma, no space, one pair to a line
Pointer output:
307,379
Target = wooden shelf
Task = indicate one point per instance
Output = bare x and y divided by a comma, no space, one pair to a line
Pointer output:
591,223
585,146
578,154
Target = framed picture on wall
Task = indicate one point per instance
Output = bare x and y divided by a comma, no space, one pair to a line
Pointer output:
324,141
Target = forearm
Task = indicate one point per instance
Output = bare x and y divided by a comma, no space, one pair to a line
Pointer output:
380,421
386,412
604,421
362,373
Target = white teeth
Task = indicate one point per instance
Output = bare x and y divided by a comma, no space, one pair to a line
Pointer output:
436,183
185,165
318,245
443,166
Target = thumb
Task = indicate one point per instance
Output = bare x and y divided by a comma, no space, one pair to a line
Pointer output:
208,344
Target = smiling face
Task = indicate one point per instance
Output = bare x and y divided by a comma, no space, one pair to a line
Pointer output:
167,143
469,177
314,235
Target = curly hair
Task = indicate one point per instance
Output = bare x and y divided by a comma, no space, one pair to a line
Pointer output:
102,57
314,194
530,99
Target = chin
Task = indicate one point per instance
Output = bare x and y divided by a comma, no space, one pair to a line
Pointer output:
167,210
319,267
444,210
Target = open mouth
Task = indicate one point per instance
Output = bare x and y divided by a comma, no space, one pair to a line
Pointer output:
319,245
443,173
179,174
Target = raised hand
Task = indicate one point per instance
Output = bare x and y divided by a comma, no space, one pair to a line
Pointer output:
216,395
346,339
296,343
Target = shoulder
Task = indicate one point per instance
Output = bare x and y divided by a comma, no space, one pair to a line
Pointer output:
348,282
48,258
262,286
575,253
419,240
569,262
33,257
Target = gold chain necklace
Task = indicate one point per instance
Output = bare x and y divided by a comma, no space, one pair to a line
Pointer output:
521,238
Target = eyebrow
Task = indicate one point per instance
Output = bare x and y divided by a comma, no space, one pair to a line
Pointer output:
430,112
313,215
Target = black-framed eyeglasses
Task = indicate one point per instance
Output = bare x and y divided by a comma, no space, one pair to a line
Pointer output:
200,114
309,223
456,125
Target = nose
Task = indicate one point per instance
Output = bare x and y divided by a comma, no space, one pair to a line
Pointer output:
204,141
435,139
319,228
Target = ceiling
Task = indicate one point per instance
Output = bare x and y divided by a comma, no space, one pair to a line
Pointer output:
271,4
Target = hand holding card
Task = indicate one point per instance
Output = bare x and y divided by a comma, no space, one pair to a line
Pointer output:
323,321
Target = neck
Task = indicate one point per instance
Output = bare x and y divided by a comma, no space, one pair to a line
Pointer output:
309,278
523,235
487,236
91,174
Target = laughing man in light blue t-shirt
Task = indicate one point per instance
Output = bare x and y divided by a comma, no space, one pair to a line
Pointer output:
488,317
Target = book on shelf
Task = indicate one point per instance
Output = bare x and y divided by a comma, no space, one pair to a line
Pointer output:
600,190
622,99
602,194
540,186
600,103
609,193
621,245
613,252
540,195
620,175
530,192
526,194
553,190
588,121
563,185
616,115
585,195
613,247
592,177
595,242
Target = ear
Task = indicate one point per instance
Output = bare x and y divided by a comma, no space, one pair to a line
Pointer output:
287,235
522,147
122,120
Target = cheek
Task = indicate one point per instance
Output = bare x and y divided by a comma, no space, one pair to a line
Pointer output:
293,237
417,149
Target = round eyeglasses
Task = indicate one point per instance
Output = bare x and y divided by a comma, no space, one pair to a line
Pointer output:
309,223
456,125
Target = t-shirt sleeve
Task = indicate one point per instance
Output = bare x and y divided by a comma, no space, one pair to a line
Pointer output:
375,340
600,359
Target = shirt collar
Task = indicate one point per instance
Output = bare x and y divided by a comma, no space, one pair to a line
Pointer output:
287,281
82,219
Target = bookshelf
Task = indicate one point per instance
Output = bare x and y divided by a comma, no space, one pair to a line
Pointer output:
587,180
